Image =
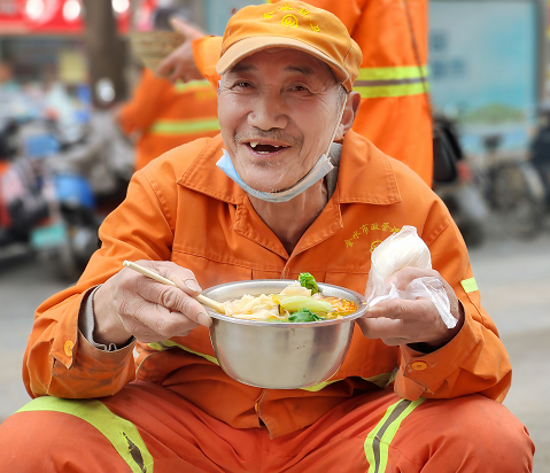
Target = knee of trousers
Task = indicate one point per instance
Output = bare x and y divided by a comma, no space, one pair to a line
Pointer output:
48,441
475,428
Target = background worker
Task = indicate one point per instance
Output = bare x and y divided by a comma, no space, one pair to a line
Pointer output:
395,113
259,201
162,115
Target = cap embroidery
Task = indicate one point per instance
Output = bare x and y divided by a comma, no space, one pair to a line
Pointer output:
303,12
290,21
269,15
286,7
315,27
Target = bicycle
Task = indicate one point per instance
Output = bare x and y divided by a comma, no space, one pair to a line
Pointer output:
513,189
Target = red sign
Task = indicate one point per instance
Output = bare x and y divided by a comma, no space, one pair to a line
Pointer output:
55,16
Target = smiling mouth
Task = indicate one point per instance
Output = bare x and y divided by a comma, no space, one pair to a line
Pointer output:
265,149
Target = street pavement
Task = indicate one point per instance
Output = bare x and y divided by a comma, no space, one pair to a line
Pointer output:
514,279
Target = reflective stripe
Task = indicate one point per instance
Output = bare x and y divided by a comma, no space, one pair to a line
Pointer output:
167,344
181,127
469,285
318,387
379,439
192,85
392,73
375,82
123,435
381,380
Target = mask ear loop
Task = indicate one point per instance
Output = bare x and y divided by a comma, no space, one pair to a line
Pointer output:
342,110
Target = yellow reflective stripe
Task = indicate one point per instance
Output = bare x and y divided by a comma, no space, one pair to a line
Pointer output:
123,435
192,85
370,92
318,387
376,82
392,73
469,285
165,345
381,380
379,439
179,127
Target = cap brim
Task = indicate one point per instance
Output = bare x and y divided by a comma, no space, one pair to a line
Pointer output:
248,46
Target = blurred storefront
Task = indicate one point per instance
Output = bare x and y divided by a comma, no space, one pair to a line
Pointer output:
45,40
488,67
44,37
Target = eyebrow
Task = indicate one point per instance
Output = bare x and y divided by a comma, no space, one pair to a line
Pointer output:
241,68
306,70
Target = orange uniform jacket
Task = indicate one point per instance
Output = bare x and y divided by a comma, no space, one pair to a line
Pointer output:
164,115
184,209
395,112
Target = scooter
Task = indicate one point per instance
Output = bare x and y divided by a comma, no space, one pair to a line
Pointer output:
68,236
540,152
22,204
454,183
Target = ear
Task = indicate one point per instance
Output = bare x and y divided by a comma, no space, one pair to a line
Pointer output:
348,117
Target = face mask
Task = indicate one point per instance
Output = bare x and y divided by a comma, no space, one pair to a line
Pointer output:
318,172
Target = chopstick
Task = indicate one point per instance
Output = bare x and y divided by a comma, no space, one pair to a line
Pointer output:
157,277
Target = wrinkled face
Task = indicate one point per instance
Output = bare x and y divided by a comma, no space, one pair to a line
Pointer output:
278,110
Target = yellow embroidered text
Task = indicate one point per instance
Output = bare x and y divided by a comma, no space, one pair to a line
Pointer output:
368,228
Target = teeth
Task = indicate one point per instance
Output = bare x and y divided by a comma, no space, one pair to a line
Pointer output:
253,145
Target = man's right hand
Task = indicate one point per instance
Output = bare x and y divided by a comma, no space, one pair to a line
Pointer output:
180,63
130,304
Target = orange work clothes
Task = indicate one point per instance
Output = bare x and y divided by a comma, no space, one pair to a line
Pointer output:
182,208
395,110
166,115
154,430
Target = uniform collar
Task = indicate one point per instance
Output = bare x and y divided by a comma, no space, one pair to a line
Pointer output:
365,175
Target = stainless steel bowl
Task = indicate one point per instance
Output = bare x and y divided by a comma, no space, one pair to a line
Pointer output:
280,355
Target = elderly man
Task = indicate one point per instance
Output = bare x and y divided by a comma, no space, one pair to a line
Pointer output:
412,395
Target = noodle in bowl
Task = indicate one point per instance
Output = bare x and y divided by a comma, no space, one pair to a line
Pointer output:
280,355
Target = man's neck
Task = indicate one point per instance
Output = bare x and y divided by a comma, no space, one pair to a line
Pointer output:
290,220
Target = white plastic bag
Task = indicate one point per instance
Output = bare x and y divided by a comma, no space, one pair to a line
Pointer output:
402,249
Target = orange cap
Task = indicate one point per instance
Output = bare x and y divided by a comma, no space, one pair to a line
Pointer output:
296,25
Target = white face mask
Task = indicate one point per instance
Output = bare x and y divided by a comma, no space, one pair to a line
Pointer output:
318,172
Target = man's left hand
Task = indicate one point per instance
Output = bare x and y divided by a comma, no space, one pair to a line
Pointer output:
400,322
180,64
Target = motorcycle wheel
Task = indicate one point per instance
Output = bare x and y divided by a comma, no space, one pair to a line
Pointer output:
519,198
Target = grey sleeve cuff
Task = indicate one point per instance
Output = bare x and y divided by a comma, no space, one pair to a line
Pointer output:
86,323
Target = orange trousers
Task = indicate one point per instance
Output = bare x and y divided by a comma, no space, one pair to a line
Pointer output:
468,434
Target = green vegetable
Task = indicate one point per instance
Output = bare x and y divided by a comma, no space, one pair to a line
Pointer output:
295,303
304,315
308,281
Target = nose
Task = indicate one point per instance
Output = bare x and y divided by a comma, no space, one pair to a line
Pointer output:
268,112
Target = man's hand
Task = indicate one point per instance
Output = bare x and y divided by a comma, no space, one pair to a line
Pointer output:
180,64
399,322
132,304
